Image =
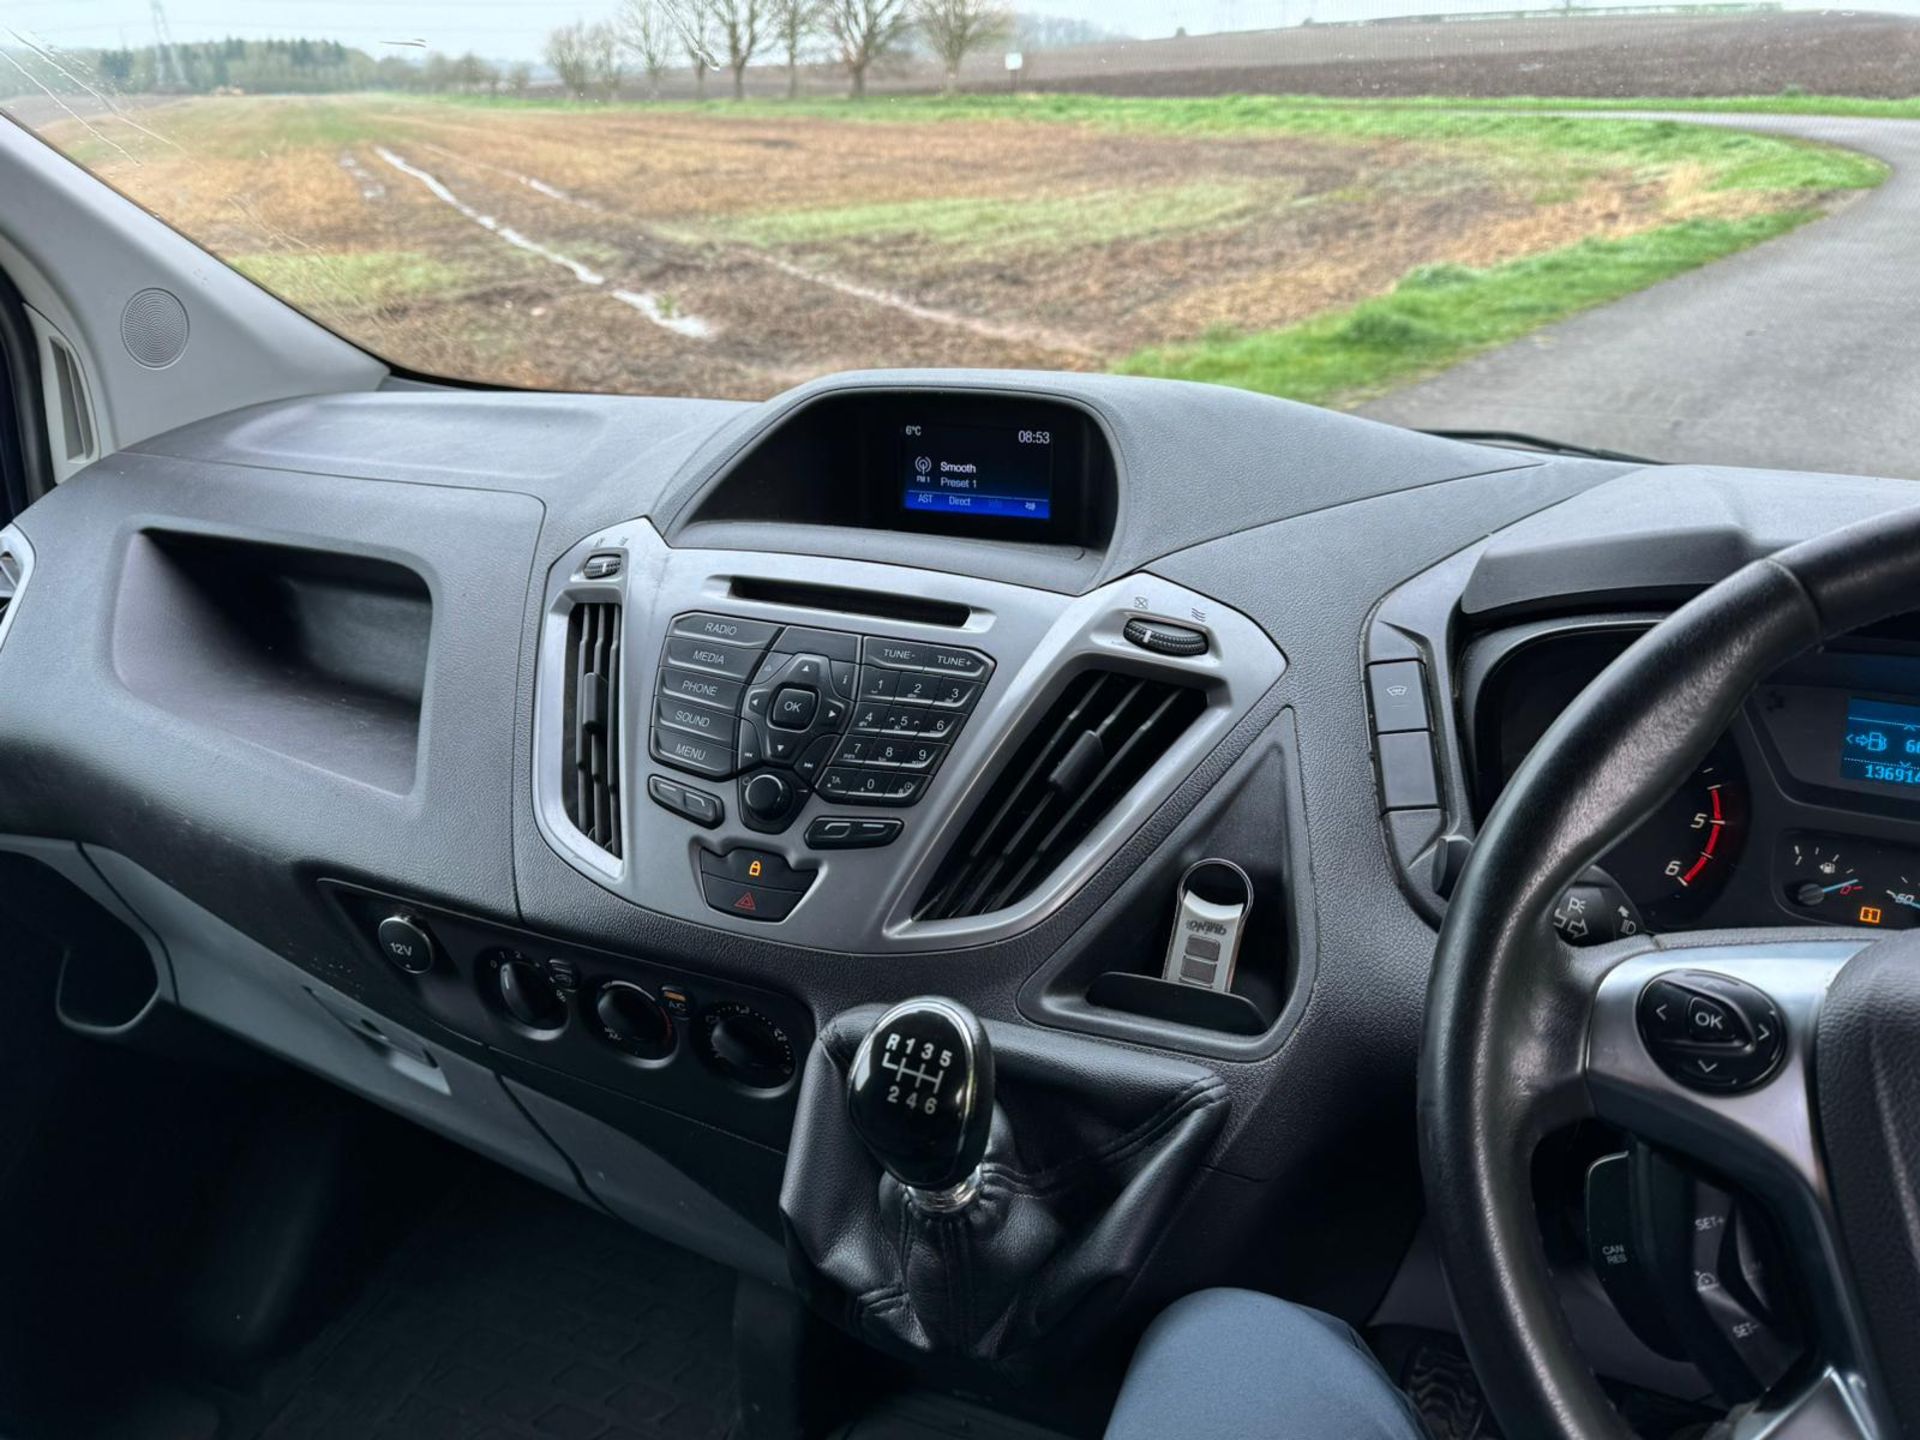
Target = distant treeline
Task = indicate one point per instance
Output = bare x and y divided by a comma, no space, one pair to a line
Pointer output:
258,67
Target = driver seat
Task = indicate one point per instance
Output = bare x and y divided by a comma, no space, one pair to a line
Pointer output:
1240,1365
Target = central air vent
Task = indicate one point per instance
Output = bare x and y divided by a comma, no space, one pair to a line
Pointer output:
591,718
1095,744
10,572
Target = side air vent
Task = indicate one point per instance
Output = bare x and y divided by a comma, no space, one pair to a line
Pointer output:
10,570
591,760
1090,750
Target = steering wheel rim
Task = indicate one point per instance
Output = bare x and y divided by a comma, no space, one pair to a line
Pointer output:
1504,1050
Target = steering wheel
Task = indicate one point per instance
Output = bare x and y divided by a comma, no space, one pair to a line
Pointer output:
1526,1035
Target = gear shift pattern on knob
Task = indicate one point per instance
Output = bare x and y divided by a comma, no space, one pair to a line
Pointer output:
920,1094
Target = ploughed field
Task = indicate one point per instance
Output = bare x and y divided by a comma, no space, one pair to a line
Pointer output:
735,250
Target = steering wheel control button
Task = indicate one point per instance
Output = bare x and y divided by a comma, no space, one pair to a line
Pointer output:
696,805
1407,777
840,832
794,707
1398,689
1711,1032
631,1020
690,752
1161,638
407,943
727,629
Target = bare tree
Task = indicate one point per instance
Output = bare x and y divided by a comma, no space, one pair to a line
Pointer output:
739,22
567,54
793,21
864,31
647,30
692,21
603,59
956,28
519,77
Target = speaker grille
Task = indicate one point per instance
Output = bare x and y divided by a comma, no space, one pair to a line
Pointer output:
153,327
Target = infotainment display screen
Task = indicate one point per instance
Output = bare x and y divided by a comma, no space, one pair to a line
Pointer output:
997,471
1882,743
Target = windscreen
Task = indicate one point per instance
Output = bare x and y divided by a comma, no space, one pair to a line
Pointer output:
1671,230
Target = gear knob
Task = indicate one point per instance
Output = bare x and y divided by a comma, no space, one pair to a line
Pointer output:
920,1094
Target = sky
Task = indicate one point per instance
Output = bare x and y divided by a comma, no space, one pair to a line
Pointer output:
515,29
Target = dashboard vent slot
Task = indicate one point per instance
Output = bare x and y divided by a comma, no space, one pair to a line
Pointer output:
1092,747
9,582
591,721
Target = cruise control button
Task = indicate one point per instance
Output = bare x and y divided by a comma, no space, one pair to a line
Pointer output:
794,707
690,752
694,719
730,629
736,662
836,832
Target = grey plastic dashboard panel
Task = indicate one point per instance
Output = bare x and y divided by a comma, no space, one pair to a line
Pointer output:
862,900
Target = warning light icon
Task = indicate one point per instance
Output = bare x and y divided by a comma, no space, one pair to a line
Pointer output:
745,902
753,870
1869,914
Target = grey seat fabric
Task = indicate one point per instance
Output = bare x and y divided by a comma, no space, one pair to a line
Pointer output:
1238,1365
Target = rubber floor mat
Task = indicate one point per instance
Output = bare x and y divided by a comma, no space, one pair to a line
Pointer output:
514,1312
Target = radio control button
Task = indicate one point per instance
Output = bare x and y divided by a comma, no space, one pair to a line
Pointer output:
694,719
690,752
947,660
735,662
700,689
729,629
794,707
876,684
939,724
899,654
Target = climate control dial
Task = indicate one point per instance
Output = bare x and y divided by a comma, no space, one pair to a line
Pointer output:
630,1019
746,1046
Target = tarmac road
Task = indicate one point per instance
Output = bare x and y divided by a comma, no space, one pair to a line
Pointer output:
1803,353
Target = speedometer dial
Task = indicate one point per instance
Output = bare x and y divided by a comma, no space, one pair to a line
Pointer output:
1675,861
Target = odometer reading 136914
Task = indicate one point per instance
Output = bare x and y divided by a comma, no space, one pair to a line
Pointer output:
1676,859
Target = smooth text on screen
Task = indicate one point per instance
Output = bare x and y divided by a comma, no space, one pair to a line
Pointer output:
1000,471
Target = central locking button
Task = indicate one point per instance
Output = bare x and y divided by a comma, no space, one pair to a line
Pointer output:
794,707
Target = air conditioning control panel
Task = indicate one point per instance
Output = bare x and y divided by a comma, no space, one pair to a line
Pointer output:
858,724
796,710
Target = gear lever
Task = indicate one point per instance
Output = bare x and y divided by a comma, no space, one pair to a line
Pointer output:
920,1094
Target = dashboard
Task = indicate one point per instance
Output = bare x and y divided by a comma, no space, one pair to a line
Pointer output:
552,769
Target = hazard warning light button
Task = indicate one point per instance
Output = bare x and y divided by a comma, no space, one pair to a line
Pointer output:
752,884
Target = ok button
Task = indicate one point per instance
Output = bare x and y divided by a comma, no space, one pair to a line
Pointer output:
793,707
1710,1020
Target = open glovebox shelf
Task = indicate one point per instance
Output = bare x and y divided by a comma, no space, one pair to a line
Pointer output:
1109,981
316,655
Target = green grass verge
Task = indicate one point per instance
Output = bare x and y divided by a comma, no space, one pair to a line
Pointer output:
1439,315
1852,106
1736,159
355,282
981,226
